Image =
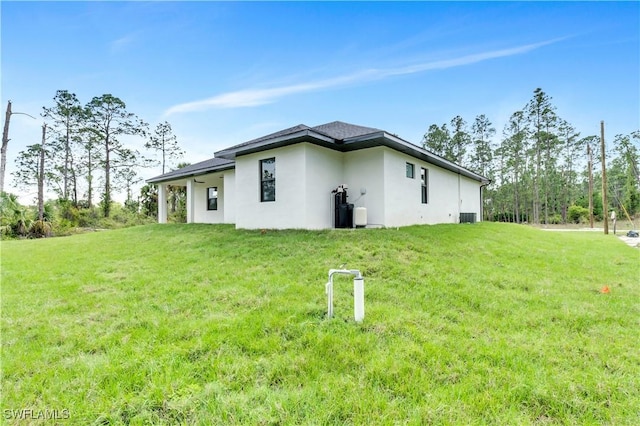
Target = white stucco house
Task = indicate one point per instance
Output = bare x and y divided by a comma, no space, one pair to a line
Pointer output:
294,179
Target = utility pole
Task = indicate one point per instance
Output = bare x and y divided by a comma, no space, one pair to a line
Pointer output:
5,142
590,164
605,205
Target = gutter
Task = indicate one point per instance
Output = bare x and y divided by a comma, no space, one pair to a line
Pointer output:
190,174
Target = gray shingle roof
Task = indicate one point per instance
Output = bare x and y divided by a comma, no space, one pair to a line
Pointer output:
335,135
275,135
200,168
339,130
328,134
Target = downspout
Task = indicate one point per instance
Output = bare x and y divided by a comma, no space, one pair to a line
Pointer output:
459,200
332,214
483,185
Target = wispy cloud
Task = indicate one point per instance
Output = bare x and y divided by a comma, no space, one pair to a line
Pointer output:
122,43
256,97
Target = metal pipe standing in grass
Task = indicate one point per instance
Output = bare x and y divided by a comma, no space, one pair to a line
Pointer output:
358,292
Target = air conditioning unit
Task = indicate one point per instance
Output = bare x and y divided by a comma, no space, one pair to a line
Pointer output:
467,218
360,217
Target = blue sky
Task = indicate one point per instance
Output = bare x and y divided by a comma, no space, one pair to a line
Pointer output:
225,72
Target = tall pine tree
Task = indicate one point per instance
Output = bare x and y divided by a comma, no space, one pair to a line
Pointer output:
108,120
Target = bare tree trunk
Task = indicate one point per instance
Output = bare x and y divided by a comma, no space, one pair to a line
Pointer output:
41,176
536,189
589,153
605,204
89,173
107,177
65,175
89,180
546,182
5,142
517,200
565,200
74,183
163,154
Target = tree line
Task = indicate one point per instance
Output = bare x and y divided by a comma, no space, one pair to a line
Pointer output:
540,166
541,169
83,156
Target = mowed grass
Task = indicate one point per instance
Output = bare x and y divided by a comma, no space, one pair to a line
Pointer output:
203,324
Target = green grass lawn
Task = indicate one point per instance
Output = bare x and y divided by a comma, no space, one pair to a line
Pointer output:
202,324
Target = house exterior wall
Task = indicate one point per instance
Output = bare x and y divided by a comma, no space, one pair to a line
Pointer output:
403,205
201,214
288,209
324,172
229,196
448,193
305,175
470,201
196,202
444,197
364,170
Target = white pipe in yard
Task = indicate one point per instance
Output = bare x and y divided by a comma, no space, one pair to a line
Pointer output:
358,299
358,292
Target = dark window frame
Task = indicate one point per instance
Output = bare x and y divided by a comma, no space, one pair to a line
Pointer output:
267,181
210,198
424,185
410,170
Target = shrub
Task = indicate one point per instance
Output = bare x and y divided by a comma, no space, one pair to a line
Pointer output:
132,206
20,227
179,216
68,211
556,219
88,217
15,219
40,229
578,214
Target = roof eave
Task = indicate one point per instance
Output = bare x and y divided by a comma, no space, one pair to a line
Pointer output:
290,139
399,144
348,144
194,173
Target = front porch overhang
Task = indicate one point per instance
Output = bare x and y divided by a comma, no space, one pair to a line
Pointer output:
206,167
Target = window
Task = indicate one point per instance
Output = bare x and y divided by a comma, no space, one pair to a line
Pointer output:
212,198
410,171
268,179
424,180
